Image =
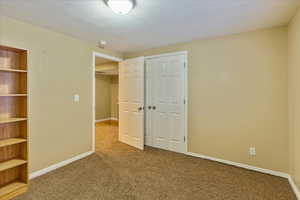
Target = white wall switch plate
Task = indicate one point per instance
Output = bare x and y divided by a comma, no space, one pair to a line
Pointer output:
252,151
76,98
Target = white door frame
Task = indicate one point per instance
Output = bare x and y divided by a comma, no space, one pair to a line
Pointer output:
185,54
106,56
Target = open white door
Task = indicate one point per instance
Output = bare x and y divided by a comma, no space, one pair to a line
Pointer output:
131,102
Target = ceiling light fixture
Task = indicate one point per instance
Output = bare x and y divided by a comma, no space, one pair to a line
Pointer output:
121,7
102,44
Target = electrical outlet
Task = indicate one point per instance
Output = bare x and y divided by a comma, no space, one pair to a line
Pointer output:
252,151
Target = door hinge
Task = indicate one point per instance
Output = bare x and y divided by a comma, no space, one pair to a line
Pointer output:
185,65
184,138
184,101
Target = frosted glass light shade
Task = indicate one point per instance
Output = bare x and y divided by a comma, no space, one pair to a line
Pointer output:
121,7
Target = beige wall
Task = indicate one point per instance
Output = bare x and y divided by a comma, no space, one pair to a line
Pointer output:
103,97
238,97
59,66
294,97
114,97
107,88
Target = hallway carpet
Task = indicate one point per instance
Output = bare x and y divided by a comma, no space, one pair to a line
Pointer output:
119,172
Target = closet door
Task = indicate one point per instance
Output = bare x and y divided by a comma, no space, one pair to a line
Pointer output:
165,103
131,102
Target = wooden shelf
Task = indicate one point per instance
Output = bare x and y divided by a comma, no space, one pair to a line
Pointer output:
11,141
12,70
11,120
13,95
11,164
11,188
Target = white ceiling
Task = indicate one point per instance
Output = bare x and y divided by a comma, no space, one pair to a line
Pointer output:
153,23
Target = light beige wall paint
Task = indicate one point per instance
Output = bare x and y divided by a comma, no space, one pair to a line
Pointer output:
59,66
107,107
238,96
294,97
103,97
114,97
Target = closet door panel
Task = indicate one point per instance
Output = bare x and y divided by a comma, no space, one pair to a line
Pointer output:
160,131
167,96
150,89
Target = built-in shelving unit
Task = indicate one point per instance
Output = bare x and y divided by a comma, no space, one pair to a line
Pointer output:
13,122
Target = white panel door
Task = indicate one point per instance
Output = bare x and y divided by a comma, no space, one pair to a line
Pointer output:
165,103
131,102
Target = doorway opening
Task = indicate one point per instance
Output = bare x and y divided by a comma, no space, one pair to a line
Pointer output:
148,104
105,99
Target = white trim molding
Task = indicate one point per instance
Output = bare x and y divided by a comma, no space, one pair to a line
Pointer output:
102,120
294,187
168,54
241,165
106,56
106,119
59,165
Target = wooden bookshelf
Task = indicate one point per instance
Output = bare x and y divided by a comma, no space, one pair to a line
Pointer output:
13,122
12,70
13,95
11,164
11,141
11,190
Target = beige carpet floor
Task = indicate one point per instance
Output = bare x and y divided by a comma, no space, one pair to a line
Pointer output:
119,172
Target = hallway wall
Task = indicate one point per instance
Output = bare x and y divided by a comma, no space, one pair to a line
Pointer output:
114,97
103,97
107,88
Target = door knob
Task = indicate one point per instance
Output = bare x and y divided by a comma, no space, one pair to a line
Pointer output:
140,108
153,107
149,107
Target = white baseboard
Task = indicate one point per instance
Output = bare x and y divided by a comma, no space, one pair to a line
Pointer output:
114,119
106,119
294,187
102,120
236,164
58,165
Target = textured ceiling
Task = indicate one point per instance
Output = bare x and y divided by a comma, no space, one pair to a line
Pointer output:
153,23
